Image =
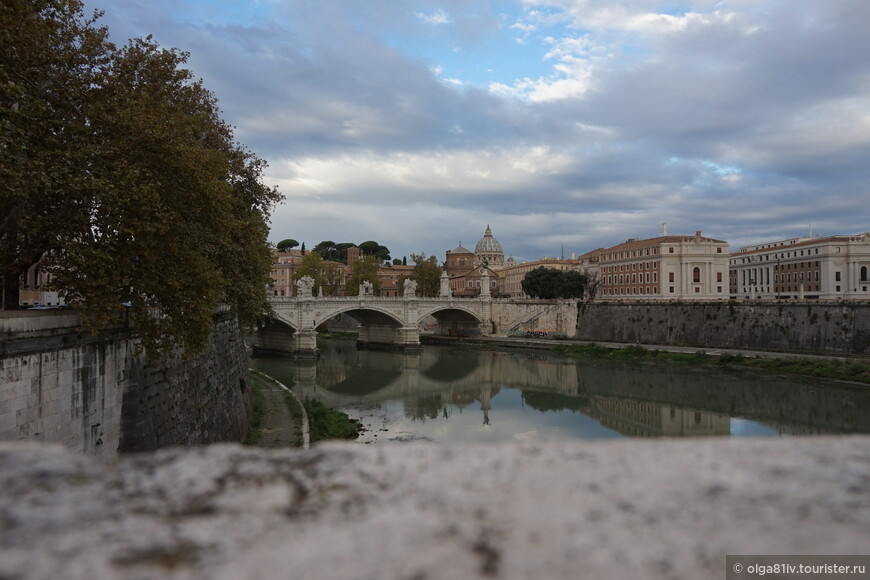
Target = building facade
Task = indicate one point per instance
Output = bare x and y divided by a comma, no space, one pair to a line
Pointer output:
664,268
813,267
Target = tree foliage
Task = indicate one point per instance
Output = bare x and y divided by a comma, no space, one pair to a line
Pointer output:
426,273
287,244
549,283
372,248
365,268
120,175
326,275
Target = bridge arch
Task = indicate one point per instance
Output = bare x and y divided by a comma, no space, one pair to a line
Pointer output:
278,335
453,319
364,314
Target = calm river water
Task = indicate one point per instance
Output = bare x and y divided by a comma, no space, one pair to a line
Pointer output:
461,394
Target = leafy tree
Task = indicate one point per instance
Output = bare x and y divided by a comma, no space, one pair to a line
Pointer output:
372,248
121,177
326,275
365,268
549,283
287,244
397,262
426,273
325,248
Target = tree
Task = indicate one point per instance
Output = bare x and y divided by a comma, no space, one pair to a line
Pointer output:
426,273
326,275
287,244
397,262
593,284
549,283
372,248
365,268
122,179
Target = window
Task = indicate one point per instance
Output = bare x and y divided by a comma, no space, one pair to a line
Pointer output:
863,273
671,250
718,250
718,276
837,276
696,275
670,277
671,289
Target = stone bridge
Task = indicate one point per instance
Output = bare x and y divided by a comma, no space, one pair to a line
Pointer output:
396,322
393,322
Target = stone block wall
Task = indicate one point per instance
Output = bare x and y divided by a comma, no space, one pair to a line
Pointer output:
201,400
97,394
804,327
529,315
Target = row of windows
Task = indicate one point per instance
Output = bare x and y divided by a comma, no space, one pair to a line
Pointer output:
631,267
782,256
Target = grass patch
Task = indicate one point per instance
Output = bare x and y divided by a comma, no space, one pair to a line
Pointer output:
295,410
252,437
849,370
325,423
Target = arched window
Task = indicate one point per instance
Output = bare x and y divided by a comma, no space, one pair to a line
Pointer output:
863,273
696,275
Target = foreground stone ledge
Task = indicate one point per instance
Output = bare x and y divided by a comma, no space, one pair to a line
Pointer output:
623,509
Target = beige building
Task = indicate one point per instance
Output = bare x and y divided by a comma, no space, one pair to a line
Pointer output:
664,268
813,267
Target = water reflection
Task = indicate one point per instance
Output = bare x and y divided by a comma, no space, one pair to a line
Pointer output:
463,395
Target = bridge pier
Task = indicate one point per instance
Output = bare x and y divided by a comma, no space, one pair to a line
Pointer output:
385,336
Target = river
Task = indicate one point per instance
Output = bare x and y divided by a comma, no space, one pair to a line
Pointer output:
476,395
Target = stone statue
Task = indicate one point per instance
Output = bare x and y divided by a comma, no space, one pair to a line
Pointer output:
366,288
304,286
409,289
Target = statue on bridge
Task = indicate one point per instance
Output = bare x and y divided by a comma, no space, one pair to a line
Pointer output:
366,289
409,289
304,286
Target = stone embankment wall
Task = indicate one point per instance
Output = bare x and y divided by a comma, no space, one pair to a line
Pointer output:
98,394
805,327
555,316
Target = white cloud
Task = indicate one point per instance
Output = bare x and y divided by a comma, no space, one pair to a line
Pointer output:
436,18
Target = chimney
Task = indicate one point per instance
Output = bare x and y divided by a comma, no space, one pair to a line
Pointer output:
665,228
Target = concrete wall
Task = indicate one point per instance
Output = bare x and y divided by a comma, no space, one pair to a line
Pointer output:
97,394
808,327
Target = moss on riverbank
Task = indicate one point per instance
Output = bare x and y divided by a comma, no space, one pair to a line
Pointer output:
325,423
846,370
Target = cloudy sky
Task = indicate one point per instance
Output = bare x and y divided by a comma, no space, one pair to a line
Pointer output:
561,123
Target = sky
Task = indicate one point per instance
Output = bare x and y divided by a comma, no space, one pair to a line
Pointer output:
564,125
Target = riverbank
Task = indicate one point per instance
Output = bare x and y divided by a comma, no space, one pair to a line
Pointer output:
847,369
279,417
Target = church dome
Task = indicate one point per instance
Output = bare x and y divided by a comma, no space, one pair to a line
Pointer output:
488,251
488,244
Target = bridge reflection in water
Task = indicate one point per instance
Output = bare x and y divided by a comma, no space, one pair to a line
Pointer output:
452,394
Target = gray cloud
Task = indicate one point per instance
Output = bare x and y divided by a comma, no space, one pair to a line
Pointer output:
749,121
